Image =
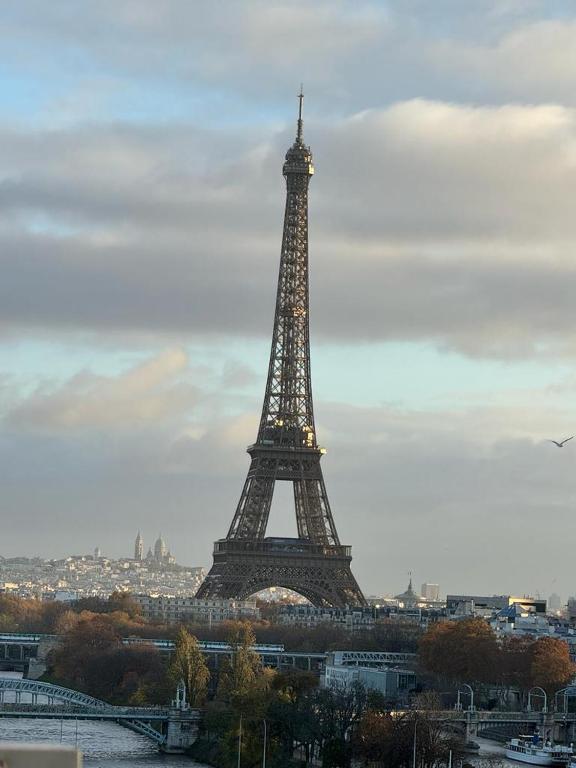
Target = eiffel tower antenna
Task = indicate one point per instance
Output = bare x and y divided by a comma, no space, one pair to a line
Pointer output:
315,564
300,103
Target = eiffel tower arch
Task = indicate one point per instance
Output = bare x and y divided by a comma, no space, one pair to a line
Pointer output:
315,564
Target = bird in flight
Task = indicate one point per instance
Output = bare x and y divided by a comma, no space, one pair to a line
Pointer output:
561,444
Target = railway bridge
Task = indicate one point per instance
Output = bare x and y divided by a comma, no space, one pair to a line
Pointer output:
26,652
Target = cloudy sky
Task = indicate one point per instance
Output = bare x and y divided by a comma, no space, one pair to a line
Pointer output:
141,202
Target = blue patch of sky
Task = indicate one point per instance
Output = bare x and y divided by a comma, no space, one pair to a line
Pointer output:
32,361
405,375
22,95
86,94
48,86
159,101
419,375
40,223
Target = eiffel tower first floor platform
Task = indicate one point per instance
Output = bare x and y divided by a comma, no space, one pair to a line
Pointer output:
320,573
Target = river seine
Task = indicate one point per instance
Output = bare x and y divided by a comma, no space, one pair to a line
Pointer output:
104,745
107,745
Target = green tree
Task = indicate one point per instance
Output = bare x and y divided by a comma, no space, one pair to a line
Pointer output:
242,672
292,712
188,664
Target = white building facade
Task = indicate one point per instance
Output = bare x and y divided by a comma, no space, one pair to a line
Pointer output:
177,609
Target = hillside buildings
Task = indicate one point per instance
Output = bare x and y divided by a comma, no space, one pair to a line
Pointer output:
77,576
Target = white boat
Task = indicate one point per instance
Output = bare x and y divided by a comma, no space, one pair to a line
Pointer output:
530,749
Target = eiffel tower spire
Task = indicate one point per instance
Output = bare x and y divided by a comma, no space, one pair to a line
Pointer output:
286,447
300,102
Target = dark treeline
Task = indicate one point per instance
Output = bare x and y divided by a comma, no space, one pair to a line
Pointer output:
387,635
20,615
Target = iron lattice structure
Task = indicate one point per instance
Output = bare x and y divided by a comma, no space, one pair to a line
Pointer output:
315,564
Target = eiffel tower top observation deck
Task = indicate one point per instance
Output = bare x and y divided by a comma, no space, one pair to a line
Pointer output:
315,564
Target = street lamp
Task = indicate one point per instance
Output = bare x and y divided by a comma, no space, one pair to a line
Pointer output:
239,758
542,694
568,692
458,703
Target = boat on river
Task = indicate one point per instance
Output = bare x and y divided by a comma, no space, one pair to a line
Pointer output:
531,749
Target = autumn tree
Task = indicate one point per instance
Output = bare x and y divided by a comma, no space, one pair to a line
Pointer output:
243,670
124,602
68,621
78,662
136,675
243,698
525,662
460,651
92,658
550,664
8,614
188,664
29,615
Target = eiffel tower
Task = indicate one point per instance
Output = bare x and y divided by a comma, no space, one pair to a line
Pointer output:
315,564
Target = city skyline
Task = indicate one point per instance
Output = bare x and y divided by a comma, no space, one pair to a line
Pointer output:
139,246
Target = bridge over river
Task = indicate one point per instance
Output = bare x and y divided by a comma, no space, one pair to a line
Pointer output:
171,728
176,727
561,725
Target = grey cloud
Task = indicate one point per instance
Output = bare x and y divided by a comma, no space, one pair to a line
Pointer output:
151,393
350,54
436,492
428,221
